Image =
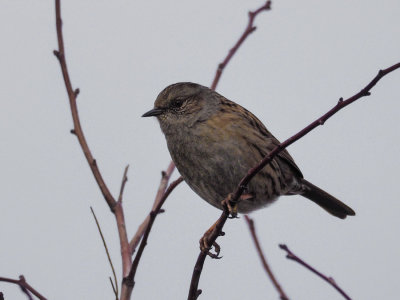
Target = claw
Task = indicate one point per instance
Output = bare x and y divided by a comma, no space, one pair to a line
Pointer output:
233,206
205,248
204,244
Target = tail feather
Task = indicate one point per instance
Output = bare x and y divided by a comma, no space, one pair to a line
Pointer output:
326,201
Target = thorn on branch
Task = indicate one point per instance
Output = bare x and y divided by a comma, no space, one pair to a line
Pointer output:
56,54
198,293
163,174
76,92
72,131
340,100
161,211
365,92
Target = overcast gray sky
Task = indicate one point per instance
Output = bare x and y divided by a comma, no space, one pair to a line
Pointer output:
302,58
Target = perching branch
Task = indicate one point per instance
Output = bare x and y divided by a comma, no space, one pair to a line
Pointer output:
249,30
292,256
267,269
194,292
26,288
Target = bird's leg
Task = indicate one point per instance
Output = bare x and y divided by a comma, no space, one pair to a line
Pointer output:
204,244
232,206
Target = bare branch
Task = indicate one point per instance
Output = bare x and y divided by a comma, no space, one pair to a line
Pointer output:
165,175
194,292
108,254
129,281
72,94
24,286
122,232
250,28
267,159
267,269
115,206
292,256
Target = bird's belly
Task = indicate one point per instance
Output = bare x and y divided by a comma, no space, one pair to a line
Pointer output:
215,171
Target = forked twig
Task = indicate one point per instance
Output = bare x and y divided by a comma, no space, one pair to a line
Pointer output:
129,281
165,176
267,269
24,286
292,256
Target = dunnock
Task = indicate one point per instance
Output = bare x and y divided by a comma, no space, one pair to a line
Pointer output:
214,142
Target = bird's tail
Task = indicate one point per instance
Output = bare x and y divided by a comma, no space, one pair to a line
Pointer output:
326,201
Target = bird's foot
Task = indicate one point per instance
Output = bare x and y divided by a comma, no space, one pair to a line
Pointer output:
232,206
204,243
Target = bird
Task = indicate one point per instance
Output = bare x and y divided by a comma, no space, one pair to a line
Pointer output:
214,142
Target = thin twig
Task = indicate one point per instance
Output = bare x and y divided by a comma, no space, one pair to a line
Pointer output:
165,175
107,252
113,287
122,232
24,286
292,256
267,269
250,28
130,279
123,183
267,159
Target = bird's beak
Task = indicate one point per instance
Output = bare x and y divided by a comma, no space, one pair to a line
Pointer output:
154,112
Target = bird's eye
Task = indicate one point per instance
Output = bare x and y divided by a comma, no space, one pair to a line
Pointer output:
177,103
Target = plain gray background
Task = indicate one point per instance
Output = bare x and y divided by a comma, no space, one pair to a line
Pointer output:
302,58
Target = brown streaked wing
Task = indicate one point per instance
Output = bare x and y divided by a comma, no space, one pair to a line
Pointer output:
256,123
